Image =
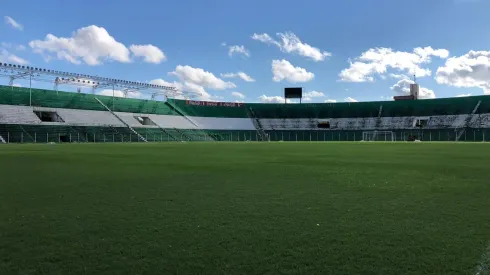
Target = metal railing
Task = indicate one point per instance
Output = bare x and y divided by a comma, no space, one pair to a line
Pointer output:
469,135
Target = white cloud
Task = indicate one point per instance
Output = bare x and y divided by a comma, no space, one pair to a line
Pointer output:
245,77
107,92
162,82
205,97
272,99
360,72
195,88
7,57
17,85
218,97
119,93
208,97
330,101
14,24
150,53
463,95
198,77
241,75
308,97
399,76
134,94
386,98
236,49
378,60
186,87
314,94
427,52
290,43
469,70
265,38
94,45
402,87
91,44
183,87
350,99
237,94
239,101
283,70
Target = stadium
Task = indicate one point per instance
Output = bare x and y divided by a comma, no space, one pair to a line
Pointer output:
30,115
124,185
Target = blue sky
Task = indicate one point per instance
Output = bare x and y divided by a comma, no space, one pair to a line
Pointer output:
342,50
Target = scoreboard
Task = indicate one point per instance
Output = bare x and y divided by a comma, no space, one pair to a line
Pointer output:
293,92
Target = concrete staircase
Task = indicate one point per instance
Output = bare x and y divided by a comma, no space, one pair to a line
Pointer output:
124,122
260,131
460,130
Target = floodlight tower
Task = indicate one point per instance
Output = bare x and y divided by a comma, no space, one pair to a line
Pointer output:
14,71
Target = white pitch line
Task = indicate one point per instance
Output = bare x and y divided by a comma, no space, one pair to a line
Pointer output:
483,267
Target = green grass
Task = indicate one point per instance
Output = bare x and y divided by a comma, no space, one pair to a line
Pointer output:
244,208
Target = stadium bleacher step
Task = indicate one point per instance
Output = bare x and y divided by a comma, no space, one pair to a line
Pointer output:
258,126
180,112
182,134
462,129
122,120
184,115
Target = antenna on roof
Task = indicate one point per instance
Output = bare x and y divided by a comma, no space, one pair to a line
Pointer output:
414,79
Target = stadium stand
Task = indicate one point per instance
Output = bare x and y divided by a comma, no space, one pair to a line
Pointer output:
52,116
17,114
83,117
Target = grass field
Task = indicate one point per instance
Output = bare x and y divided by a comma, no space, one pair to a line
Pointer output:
245,208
